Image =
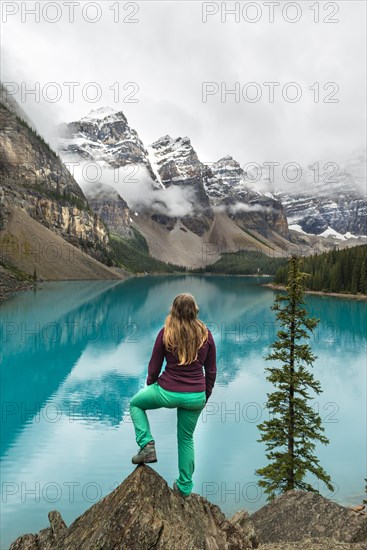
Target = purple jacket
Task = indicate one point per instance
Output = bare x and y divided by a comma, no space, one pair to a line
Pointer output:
183,378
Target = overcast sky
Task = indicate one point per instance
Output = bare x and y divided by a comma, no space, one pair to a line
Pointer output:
169,52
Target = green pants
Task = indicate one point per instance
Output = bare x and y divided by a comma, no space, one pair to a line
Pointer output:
189,406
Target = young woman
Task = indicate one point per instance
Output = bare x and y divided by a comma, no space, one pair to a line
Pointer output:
188,346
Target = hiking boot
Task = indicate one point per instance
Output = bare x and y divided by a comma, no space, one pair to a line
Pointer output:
177,490
146,454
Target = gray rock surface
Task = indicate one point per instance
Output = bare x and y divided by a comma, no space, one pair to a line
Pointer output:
229,186
177,164
338,201
140,514
143,513
243,522
46,538
296,515
34,179
314,544
111,208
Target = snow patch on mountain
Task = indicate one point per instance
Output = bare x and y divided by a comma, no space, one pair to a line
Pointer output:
154,165
329,232
296,227
100,113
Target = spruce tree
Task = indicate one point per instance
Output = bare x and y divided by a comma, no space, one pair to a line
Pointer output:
293,425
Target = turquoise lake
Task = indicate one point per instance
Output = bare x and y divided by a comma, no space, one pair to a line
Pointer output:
74,353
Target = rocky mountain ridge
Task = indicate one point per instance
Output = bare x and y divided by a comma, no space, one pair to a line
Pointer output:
260,211
34,178
181,206
178,165
174,163
222,187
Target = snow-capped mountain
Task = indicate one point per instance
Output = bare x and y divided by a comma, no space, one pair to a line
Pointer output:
176,160
228,187
337,202
104,136
177,164
227,175
217,202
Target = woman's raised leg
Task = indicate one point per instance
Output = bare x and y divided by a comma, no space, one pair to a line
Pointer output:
146,398
150,397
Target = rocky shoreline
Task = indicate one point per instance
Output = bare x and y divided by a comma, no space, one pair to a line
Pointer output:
143,513
10,283
320,293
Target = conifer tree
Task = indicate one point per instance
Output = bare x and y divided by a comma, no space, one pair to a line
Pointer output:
337,271
293,425
363,278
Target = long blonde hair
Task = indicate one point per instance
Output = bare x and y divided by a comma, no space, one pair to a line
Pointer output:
184,333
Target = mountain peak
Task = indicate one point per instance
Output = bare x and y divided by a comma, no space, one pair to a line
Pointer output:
162,141
227,158
104,115
102,112
104,136
172,143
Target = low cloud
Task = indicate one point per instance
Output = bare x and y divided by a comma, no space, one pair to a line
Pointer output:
241,207
244,207
135,185
219,208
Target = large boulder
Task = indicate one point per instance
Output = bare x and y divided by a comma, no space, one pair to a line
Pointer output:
297,515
